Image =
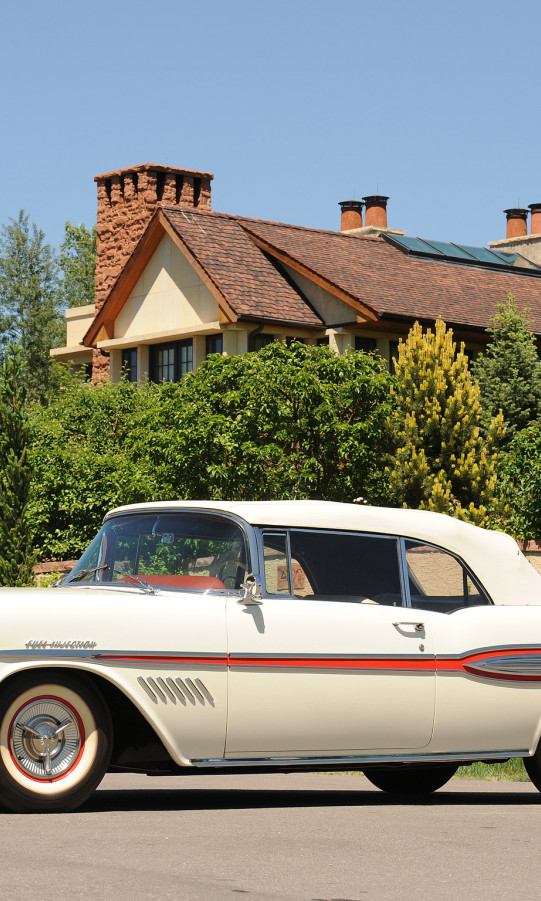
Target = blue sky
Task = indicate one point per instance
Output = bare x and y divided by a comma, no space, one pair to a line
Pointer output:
294,105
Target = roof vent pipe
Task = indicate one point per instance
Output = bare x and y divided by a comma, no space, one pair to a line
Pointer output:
535,224
352,215
516,222
376,210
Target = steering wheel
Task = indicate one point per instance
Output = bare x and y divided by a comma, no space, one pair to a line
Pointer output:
232,577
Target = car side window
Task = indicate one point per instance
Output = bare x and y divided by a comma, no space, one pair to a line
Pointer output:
276,563
333,566
439,581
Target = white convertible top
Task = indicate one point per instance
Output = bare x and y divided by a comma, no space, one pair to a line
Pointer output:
493,556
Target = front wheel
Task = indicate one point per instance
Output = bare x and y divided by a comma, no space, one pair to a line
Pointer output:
410,779
55,743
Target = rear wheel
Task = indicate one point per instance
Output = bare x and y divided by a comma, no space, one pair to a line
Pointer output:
533,767
55,743
409,779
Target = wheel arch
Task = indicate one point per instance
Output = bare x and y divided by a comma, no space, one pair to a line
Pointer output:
128,720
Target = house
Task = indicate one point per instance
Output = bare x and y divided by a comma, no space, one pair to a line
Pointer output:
176,281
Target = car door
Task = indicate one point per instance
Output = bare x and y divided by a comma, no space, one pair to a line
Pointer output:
159,580
330,661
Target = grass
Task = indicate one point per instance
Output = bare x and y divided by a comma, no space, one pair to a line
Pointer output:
511,771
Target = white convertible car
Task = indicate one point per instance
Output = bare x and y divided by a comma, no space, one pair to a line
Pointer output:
202,637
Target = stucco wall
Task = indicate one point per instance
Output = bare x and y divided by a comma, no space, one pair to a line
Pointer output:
169,295
529,246
78,321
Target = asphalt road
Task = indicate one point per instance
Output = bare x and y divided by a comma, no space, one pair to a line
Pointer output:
298,837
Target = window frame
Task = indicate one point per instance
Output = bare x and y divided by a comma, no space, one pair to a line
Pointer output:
129,366
466,571
259,341
287,530
176,347
250,544
402,561
216,337
371,344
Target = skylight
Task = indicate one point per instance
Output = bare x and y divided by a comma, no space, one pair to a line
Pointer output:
441,250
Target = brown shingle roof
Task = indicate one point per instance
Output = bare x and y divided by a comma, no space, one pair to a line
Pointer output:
396,284
244,259
254,285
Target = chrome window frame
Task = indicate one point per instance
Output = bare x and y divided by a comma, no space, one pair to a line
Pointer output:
437,547
262,530
252,549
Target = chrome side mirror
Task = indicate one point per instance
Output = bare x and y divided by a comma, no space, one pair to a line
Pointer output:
253,589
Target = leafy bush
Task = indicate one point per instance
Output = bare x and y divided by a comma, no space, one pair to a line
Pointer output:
520,472
287,422
282,423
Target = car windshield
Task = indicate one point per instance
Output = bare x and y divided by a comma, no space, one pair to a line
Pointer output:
176,550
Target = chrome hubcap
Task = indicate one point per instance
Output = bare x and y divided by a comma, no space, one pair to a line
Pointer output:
45,739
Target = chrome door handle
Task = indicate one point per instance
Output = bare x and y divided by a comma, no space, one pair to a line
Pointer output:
418,627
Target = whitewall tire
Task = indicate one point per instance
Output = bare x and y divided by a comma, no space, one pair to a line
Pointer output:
55,743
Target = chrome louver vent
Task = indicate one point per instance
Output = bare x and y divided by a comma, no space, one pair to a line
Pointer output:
172,691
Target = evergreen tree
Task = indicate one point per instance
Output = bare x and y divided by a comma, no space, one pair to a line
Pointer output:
77,261
440,461
15,544
508,372
29,304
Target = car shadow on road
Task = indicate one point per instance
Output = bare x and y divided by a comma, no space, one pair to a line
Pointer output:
250,799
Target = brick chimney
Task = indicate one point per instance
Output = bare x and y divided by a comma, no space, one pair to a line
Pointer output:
127,200
535,225
376,210
352,215
516,222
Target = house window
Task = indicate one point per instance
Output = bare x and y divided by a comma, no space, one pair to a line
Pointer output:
290,340
259,341
215,344
393,351
323,342
368,345
171,362
129,364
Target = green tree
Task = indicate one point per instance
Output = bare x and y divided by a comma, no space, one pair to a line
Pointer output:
519,468
441,461
287,422
84,461
508,371
29,304
77,262
284,422
16,559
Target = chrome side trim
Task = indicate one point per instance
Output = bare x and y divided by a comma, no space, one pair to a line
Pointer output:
360,656
172,690
223,762
490,649
103,655
525,664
